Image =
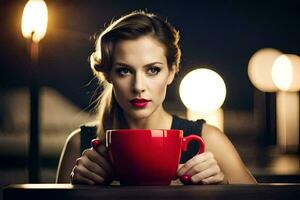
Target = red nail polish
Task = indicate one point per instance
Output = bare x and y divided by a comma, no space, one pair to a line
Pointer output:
95,143
186,179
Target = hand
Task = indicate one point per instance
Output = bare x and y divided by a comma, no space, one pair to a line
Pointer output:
202,168
93,167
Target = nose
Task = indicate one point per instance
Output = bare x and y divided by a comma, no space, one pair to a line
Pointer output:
138,84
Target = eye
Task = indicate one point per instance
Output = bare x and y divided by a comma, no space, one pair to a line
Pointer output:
153,70
123,71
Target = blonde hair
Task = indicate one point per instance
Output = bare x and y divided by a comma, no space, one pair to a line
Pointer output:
129,27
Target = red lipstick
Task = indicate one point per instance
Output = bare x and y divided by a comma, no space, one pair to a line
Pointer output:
139,102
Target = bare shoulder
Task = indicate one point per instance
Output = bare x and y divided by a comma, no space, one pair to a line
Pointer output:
211,133
207,128
216,140
72,144
73,139
69,154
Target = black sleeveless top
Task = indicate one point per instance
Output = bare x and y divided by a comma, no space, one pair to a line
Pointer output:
189,127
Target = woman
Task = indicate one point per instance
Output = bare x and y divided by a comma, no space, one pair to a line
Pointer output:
136,58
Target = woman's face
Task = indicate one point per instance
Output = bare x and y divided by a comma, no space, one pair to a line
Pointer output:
140,76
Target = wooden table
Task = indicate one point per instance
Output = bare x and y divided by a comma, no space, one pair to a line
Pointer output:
187,192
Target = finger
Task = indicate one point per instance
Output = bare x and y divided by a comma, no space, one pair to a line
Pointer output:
195,160
78,179
93,167
99,146
95,157
214,179
185,179
84,172
205,174
95,143
197,168
179,167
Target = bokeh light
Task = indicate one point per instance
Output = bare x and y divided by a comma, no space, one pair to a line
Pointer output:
34,20
260,69
286,72
202,90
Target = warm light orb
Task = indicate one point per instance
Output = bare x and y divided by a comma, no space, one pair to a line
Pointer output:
34,20
260,69
286,72
282,72
202,90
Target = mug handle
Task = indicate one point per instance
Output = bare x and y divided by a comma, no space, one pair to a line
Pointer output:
186,141
185,179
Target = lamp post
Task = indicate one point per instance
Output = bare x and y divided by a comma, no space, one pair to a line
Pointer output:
34,26
260,75
286,76
272,71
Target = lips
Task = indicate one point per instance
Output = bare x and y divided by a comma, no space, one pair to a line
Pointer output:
139,102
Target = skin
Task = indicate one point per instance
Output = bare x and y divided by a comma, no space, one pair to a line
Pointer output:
140,70
137,73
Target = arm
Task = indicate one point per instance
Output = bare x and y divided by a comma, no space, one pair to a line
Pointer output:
226,156
220,163
70,153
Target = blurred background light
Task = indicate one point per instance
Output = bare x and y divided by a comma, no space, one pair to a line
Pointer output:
286,72
286,76
287,117
34,20
34,27
202,90
260,69
215,118
282,72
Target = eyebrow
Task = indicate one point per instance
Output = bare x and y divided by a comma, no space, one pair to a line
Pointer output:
129,66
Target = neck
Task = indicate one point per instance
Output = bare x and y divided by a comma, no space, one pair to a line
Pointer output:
160,119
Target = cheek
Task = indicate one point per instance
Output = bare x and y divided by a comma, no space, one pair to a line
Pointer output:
120,84
120,90
159,87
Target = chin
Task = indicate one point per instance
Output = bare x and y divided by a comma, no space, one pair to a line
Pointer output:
139,114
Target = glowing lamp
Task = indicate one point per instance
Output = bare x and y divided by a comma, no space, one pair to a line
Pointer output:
286,76
34,27
34,20
286,72
202,90
260,69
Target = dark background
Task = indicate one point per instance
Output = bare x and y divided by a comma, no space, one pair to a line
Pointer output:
220,35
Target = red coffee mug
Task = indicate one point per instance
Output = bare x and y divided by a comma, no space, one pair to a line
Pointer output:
147,157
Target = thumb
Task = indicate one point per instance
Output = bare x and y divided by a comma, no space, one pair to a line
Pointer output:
179,166
99,146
